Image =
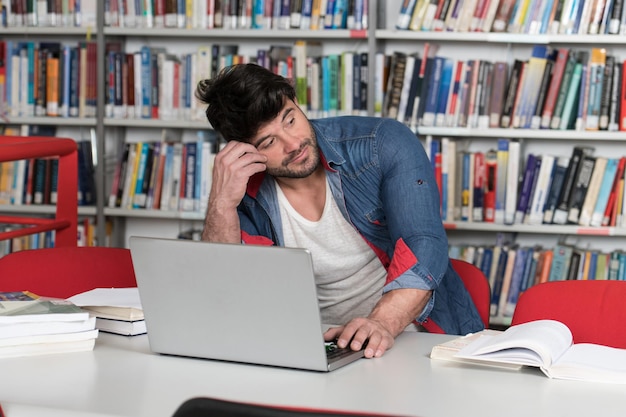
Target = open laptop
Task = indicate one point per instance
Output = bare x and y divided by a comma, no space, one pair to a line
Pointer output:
241,303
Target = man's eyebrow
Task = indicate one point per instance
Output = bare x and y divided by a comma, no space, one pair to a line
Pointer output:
257,142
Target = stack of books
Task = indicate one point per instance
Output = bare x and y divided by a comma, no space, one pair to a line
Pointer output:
32,325
116,310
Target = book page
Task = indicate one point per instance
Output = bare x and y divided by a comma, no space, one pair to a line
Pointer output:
590,362
537,343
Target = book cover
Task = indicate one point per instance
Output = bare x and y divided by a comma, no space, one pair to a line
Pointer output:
578,105
514,171
539,194
596,77
581,185
558,177
533,75
501,181
525,188
562,206
432,94
467,181
535,121
409,70
444,92
564,88
395,83
483,105
522,256
605,190
562,255
606,93
511,263
512,88
593,191
491,175
616,196
498,89
478,205
554,87
498,279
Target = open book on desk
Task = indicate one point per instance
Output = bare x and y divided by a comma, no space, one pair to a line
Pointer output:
548,345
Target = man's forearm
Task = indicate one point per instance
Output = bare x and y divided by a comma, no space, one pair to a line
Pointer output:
221,226
399,308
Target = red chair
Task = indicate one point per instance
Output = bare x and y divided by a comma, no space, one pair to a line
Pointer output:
213,407
66,271
477,285
593,310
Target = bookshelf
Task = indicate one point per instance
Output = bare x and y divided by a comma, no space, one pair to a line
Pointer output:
77,128
507,47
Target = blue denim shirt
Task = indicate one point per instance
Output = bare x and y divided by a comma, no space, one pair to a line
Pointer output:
383,183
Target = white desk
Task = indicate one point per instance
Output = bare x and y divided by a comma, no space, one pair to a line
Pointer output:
122,378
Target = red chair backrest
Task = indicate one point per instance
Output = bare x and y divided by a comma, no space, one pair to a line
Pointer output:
477,285
66,271
595,311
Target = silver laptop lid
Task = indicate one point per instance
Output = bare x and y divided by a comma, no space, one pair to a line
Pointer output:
242,303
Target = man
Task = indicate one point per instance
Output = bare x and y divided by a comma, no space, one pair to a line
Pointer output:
358,192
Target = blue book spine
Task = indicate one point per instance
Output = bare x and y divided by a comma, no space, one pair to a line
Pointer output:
498,281
516,281
258,10
487,260
146,82
444,91
593,265
434,82
359,22
30,53
65,94
526,188
74,69
605,190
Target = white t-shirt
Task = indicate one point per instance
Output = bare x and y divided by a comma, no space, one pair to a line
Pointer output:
348,274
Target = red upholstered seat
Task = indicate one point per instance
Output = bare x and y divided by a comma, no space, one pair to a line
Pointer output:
595,311
477,285
65,271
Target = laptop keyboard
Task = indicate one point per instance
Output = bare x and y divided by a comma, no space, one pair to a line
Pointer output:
334,352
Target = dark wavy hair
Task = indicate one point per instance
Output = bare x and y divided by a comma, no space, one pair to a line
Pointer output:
243,97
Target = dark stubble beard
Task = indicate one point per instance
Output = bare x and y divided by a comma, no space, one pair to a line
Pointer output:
303,170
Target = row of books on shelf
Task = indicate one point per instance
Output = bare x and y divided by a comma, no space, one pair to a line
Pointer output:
38,13
48,78
502,186
154,83
85,236
514,16
34,181
239,14
511,268
557,88
164,175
